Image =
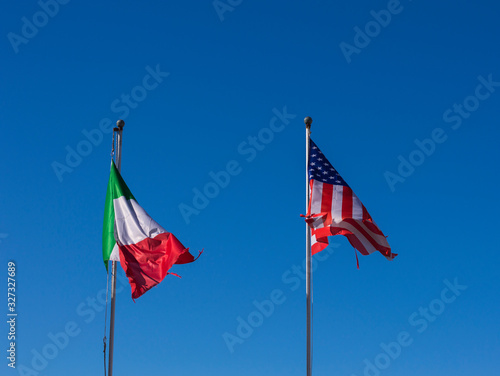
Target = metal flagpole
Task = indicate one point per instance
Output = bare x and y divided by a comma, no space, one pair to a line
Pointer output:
308,122
118,130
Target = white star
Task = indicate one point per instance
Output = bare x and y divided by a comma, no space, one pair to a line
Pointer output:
320,159
325,172
313,164
313,155
320,168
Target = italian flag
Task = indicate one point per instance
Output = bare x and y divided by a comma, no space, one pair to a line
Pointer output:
145,250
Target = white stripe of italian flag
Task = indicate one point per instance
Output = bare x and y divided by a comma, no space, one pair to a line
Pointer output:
145,250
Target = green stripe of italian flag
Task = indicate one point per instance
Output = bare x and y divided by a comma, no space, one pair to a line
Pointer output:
145,250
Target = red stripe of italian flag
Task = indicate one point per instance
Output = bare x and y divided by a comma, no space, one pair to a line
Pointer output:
145,250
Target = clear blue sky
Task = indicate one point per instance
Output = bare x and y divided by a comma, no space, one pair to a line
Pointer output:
431,71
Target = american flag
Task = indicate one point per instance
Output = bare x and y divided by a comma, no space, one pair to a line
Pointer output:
334,209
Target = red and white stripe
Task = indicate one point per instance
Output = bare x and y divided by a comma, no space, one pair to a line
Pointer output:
336,210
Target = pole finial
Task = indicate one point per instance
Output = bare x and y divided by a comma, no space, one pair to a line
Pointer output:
308,121
120,124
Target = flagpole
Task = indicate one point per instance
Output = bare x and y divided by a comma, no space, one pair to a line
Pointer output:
308,122
119,130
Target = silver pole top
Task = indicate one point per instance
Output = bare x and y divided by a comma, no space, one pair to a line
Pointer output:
120,124
308,121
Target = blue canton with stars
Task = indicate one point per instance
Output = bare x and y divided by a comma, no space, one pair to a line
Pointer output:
320,169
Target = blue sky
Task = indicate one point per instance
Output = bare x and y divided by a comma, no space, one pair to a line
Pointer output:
195,83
